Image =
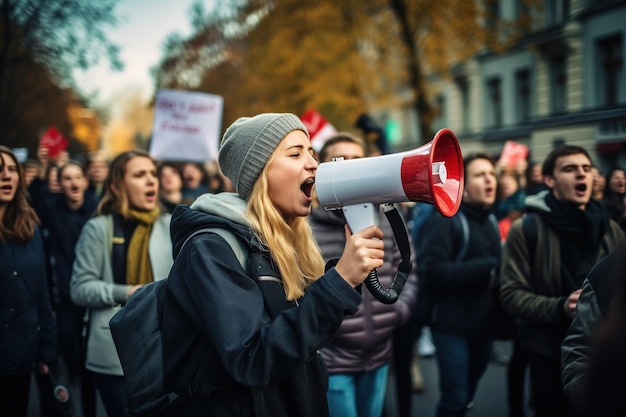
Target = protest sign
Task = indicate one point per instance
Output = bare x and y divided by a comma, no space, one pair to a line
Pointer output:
512,153
21,154
187,126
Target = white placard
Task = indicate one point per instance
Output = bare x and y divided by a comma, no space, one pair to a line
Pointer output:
187,126
21,154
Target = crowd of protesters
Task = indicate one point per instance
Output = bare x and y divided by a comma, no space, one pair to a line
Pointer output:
79,236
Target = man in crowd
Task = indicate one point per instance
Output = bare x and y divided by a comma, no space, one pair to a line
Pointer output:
546,257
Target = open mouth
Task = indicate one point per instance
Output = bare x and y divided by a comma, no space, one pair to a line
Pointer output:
6,188
307,187
581,187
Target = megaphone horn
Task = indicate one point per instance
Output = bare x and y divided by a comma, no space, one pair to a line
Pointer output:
432,173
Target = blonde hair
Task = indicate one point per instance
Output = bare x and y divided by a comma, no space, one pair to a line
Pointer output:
292,246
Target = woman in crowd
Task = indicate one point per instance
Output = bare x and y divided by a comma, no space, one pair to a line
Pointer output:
63,217
27,328
97,170
125,246
170,186
260,333
196,180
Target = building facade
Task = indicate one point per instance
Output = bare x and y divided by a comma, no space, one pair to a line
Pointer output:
563,82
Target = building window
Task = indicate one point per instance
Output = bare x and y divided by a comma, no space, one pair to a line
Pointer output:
557,11
522,13
558,84
494,101
493,14
463,87
442,117
611,70
522,95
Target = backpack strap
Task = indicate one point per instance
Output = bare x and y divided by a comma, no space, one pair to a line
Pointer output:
494,223
235,243
258,398
202,389
461,233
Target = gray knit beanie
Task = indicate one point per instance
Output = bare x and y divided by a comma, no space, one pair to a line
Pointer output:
248,144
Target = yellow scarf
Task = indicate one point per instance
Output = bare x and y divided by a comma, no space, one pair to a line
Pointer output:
138,268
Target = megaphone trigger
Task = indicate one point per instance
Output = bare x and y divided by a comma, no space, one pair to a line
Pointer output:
359,216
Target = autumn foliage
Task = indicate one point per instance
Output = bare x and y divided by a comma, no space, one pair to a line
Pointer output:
339,57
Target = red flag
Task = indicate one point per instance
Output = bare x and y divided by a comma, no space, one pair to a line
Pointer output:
319,129
54,141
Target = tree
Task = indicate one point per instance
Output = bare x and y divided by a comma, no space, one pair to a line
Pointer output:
342,58
41,43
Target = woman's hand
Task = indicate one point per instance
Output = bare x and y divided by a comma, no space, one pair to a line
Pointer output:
43,368
361,254
44,161
131,290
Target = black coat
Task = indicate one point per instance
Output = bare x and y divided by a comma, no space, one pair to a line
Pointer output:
261,351
27,327
463,290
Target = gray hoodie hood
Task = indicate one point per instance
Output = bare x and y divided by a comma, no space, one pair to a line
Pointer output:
227,205
224,210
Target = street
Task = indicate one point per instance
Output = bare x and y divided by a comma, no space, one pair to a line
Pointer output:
490,398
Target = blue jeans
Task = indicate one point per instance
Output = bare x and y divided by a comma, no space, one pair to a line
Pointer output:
357,395
462,361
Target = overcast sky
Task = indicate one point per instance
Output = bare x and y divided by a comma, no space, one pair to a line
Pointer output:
142,28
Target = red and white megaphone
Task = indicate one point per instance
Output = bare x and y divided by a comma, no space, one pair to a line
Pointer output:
432,173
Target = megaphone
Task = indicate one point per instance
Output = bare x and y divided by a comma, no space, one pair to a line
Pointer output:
432,173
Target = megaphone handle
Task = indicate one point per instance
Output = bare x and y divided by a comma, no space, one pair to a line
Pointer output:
372,282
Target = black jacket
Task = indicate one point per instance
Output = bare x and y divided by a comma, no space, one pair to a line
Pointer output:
463,290
27,328
261,350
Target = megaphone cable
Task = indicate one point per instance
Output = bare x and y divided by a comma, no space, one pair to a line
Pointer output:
390,296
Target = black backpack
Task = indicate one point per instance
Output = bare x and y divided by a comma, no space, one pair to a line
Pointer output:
136,331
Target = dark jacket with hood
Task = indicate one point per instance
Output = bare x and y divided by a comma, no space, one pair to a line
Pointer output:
535,286
364,341
262,351
462,290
